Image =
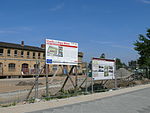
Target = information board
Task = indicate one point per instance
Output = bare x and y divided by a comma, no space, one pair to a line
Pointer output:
61,52
103,69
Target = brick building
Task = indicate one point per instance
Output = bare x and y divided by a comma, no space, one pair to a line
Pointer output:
22,60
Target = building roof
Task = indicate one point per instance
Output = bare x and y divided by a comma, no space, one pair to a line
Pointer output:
26,47
20,46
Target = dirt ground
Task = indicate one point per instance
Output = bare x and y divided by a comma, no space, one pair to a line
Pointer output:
11,90
17,89
15,84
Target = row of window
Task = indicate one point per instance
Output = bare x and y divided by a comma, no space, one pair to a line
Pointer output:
12,66
22,53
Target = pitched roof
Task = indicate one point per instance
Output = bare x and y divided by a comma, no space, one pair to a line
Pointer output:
19,46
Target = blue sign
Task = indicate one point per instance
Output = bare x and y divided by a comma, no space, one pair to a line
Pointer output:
65,71
49,61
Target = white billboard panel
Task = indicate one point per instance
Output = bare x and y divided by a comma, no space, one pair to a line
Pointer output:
61,52
103,69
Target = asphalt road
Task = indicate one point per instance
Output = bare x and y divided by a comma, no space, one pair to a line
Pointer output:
133,102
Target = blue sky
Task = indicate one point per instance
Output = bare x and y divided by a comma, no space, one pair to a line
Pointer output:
99,26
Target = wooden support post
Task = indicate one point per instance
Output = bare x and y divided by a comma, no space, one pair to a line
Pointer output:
71,81
86,88
52,78
33,85
64,83
68,77
83,82
92,82
105,82
47,86
76,78
115,75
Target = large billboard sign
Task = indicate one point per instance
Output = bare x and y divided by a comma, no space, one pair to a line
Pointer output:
61,52
103,69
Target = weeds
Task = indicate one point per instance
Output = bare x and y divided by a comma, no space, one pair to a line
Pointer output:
32,100
8,105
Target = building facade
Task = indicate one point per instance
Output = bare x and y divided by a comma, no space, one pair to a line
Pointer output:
22,60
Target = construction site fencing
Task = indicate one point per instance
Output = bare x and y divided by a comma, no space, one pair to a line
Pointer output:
30,82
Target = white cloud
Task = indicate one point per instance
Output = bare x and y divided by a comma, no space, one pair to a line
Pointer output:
101,42
26,28
7,32
146,1
57,7
120,46
15,30
111,44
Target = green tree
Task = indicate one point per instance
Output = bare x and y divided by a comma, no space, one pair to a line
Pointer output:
118,63
142,45
102,55
132,64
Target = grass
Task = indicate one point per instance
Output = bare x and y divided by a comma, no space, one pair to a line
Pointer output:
8,105
31,100
64,94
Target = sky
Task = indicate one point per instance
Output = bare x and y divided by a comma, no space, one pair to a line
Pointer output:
98,26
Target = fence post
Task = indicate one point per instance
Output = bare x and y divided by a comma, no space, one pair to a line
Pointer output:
36,78
115,74
76,78
86,78
47,80
38,74
92,80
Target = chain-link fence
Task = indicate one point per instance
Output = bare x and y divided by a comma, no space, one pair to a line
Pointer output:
28,80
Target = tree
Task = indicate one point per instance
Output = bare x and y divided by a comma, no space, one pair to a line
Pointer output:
142,45
118,63
102,55
132,64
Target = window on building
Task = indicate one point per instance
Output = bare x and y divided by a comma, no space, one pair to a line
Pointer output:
22,53
39,55
8,52
28,54
15,53
43,55
1,52
54,67
33,54
11,67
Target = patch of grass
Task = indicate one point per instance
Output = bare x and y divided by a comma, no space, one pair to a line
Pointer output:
32,100
47,98
8,105
14,103
64,94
